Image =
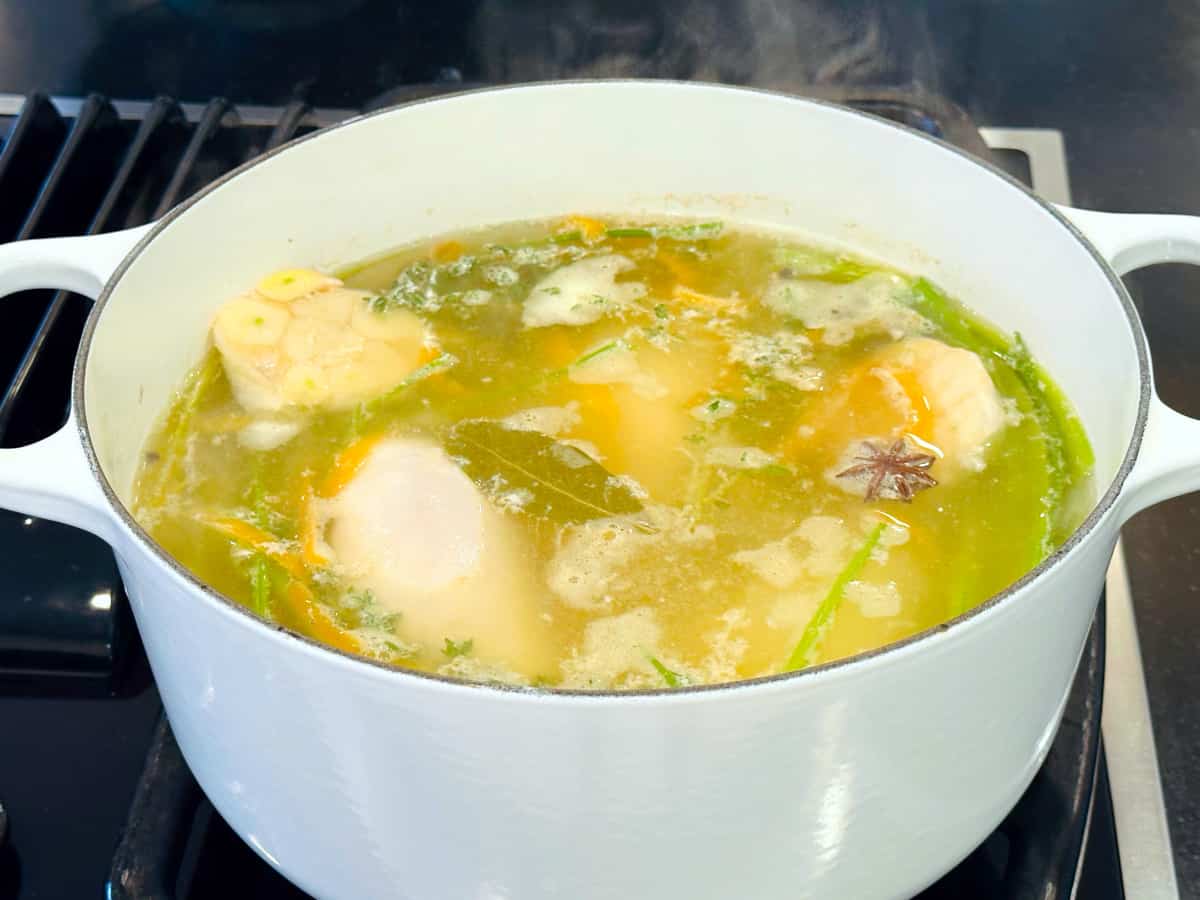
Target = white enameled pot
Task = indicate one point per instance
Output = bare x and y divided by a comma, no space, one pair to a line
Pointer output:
862,779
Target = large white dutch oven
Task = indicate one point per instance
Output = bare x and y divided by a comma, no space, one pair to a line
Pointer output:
862,779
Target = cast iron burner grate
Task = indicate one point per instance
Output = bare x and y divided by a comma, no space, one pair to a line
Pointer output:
74,166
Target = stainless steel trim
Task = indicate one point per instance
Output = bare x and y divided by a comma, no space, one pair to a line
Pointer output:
1087,830
1139,809
1047,157
1143,835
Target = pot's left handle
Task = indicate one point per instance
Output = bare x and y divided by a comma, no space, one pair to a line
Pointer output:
1168,464
51,478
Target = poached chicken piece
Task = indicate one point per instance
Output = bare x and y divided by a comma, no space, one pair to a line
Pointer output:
415,531
302,339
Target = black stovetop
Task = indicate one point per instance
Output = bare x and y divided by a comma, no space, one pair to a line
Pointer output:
90,777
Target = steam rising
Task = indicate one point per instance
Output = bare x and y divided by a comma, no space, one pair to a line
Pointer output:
760,42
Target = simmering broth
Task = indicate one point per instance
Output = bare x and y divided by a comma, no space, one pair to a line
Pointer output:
594,454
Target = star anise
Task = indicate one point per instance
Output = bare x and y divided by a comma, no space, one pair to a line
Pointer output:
895,472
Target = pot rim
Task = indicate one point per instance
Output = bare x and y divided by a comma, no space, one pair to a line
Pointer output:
1099,510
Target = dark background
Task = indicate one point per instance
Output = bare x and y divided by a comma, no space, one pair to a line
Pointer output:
1120,79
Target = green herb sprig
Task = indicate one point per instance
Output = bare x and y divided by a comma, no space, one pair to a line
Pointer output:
672,678
698,232
454,649
814,632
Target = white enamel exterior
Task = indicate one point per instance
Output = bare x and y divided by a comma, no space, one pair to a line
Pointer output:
867,779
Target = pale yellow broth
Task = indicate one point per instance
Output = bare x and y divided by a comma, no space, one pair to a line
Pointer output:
727,380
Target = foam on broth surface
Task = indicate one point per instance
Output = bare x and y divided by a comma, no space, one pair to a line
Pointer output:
595,454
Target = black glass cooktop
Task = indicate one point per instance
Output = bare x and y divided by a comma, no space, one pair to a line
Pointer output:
96,798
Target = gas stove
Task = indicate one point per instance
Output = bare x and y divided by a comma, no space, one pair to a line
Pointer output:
97,799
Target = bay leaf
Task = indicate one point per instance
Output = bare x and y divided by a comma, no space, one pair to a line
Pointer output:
565,484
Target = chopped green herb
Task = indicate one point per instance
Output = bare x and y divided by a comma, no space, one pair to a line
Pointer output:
461,266
260,585
803,263
673,679
818,625
402,650
617,344
661,311
961,330
179,423
415,288
360,598
454,649
698,232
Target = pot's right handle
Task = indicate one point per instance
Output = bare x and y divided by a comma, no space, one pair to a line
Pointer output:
1169,462
51,478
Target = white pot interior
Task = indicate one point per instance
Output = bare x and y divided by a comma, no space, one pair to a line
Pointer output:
642,149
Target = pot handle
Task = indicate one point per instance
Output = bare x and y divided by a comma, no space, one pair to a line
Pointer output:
1168,464
51,478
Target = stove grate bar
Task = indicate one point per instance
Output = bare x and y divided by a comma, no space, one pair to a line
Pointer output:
159,113
85,166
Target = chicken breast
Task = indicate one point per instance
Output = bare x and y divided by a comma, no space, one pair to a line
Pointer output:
302,339
413,529
938,397
965,409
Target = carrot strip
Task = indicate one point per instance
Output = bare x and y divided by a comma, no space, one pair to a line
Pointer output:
347,463
687,295
601,414
591,228
447,251
310,532
261,541
315,620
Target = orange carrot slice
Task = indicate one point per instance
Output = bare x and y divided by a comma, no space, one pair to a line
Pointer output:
261,541
347,463
447,251
316,621
310,530
591,228
687,295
